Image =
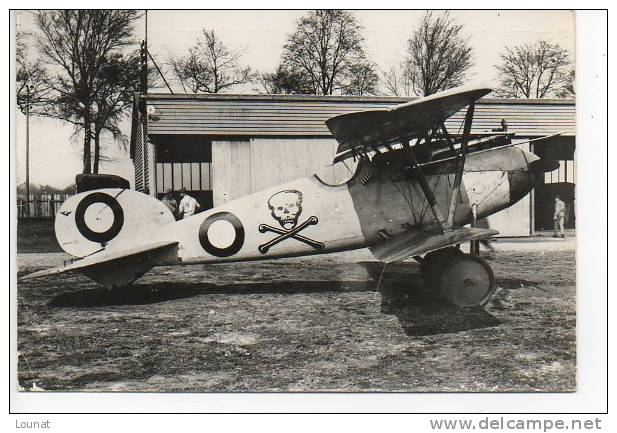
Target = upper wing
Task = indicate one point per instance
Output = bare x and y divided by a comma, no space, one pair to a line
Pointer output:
415,242
377,127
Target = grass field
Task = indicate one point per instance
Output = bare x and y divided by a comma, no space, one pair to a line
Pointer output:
36,235
315,324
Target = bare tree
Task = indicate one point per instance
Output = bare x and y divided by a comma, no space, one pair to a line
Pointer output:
118,81
326,52
210,66
31,77
395,81
533,71
77,44
438,54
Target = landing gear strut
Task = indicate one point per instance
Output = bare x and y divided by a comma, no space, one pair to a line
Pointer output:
464,280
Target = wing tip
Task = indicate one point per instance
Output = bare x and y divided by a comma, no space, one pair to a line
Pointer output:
43,273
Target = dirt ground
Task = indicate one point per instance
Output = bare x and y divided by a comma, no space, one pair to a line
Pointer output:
316,324
36,235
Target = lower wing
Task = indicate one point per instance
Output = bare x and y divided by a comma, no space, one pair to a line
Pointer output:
415,242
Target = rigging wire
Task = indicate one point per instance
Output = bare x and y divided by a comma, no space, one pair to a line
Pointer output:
378,289
504,177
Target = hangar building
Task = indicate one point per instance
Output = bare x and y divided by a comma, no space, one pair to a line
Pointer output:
221,147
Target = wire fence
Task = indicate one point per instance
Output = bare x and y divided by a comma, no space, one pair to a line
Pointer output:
40,205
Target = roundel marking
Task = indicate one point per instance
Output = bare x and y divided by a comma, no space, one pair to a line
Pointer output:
210,245
82,225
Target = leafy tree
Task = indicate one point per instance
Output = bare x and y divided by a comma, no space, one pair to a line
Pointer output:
325,55
438,55
539,70
363,79
210,66
76,44
285,81
568,89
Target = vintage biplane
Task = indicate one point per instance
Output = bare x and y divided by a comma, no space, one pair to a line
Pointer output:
415,189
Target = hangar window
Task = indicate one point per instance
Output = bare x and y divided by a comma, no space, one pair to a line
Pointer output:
190,175
566,173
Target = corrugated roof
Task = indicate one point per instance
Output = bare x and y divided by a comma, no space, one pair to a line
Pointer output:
304,115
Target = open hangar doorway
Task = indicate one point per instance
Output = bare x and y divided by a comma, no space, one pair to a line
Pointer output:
184,161
561,182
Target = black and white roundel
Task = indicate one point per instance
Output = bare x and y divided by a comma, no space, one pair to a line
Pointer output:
221,234
99,217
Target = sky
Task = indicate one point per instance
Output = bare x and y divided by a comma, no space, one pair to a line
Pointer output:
55,157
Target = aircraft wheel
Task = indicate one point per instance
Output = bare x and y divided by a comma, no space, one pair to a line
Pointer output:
434,263
467,281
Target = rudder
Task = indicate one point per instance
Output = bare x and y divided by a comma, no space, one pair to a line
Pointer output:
93,220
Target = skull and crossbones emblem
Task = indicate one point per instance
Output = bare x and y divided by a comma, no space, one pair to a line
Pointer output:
286,207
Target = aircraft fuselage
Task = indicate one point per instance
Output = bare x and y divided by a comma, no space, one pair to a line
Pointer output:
307,216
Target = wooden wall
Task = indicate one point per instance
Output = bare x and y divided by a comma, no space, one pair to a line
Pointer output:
242,167
150,173
517,219
231,170
513,221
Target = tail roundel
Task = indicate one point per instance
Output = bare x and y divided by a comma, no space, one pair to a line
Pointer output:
94,220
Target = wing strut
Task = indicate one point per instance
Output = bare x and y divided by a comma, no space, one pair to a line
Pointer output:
426,189
444,224
456,188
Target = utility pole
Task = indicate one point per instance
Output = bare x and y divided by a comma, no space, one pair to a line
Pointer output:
146,50
27,150
144,58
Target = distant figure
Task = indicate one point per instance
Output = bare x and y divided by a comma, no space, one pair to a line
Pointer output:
188,205
559,217
171,203
504,126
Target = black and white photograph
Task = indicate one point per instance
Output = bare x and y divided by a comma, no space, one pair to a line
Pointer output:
295,201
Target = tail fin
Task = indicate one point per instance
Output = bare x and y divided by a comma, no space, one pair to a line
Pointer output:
95,220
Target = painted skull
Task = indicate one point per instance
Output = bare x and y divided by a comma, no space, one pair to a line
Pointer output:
286,207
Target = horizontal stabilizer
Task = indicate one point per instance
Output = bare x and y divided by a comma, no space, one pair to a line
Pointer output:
110,268
416,242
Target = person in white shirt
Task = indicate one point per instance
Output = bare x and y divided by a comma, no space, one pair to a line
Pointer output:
188,205
559,217
171,203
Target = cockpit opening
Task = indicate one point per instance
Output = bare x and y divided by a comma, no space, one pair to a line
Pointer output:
339,173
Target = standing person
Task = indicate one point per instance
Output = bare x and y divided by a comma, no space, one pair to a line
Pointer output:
188,205
171,203
559,217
